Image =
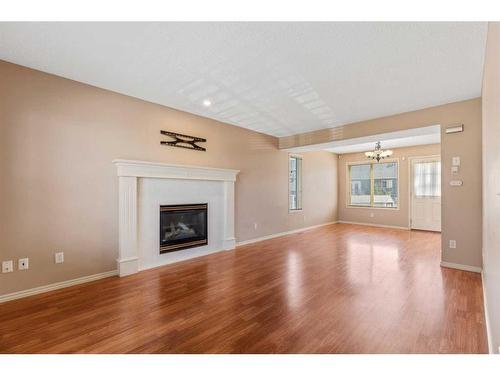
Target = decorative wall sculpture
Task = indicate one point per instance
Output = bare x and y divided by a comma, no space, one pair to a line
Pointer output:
183,140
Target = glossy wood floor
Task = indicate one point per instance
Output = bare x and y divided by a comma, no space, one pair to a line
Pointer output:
336,289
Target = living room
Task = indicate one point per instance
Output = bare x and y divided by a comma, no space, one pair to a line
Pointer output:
249,187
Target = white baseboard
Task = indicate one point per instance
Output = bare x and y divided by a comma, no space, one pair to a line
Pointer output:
463,267
281,234
487,317
373,225
55,286
127,266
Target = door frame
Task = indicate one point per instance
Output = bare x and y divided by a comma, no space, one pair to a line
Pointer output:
410,186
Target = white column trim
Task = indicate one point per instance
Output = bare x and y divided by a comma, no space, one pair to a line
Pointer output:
229,239
128,259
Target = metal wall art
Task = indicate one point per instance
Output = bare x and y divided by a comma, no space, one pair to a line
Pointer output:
183,140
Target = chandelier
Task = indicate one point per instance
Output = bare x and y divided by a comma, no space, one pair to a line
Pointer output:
378,154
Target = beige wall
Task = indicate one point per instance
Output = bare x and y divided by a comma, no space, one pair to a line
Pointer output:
491,182
382,216
58,189
461,206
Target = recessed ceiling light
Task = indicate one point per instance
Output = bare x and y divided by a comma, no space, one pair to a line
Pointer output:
207,103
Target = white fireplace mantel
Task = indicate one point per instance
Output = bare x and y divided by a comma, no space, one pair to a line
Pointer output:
129,171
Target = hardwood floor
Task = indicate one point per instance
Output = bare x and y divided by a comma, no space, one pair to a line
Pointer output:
337,289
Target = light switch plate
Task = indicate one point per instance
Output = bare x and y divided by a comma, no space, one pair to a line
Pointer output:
7,266
453,244
455,161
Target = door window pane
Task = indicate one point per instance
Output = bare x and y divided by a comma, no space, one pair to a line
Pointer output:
427,179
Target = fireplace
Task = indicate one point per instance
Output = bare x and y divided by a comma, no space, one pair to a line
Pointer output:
183,226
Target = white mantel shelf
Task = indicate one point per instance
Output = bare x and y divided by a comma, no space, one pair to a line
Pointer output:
137,168
129,171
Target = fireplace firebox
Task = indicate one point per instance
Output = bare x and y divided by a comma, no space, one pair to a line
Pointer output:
183,226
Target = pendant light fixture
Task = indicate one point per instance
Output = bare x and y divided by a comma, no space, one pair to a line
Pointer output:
378,154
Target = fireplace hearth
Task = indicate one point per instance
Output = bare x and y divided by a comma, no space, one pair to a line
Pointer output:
183,226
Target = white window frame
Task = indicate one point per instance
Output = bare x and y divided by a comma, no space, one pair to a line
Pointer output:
299,184
364,162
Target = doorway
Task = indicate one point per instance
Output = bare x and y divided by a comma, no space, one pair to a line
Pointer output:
425,193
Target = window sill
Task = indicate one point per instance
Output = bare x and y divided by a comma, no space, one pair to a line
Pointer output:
290,211
373,208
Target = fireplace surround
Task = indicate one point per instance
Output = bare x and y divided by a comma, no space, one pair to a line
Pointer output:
144,186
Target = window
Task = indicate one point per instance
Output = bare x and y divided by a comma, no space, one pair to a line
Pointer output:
374,185
360,185
427,179
295,183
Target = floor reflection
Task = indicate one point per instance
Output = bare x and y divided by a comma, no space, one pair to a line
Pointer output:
294,275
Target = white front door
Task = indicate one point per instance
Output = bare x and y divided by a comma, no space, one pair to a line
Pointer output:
426,193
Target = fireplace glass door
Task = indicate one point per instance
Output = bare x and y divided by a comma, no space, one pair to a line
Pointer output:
183,226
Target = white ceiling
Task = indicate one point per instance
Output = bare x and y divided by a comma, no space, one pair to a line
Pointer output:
276,78
403,138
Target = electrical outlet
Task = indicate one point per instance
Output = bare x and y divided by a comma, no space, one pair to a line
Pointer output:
254,225
59,257
23,264
372,214
453,244
7,266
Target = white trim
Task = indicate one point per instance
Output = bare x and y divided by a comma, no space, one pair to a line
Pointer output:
137,168
373,225
127,266
370,161
372,208
55,286
463,267
487,317
281,234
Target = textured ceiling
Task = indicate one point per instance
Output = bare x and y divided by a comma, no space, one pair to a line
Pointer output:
276,78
